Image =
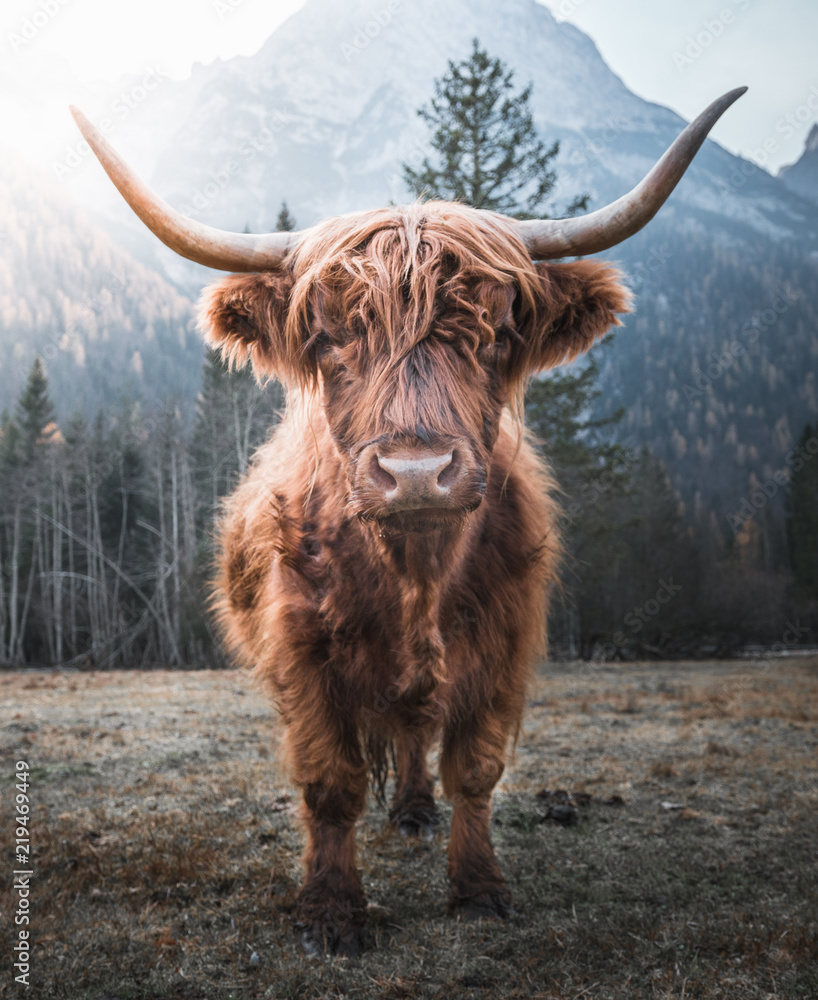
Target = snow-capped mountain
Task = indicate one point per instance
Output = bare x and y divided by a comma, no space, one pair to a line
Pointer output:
324,115
802,176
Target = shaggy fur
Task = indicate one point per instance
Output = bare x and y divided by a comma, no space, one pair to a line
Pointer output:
398,326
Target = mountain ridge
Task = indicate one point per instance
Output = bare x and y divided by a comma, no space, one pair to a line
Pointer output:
802,176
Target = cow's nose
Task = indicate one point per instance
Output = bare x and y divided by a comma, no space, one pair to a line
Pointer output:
410,481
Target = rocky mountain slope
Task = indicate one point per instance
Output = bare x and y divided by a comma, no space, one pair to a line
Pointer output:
802,176
325,114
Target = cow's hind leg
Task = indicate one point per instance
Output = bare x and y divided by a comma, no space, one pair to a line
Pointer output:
472,762
413,812
330,908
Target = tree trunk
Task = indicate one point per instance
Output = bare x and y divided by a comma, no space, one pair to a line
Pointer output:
15,582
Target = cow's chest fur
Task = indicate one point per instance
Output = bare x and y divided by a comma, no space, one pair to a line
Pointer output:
403,627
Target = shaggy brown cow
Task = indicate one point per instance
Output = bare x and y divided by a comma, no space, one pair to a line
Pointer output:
386,562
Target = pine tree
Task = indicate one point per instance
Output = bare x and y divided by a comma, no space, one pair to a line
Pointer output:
9,440
285,223
489,153
558,409
35,412
802,517
594,473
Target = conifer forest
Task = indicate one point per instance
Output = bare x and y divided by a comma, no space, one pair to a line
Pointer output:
106,533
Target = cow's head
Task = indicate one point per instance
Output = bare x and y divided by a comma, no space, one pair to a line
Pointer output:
415,326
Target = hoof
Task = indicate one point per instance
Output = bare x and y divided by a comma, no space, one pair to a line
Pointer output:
422,830
417,820
485,906
331,929
330,940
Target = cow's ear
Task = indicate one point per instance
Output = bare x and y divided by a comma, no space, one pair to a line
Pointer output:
579,302
245,317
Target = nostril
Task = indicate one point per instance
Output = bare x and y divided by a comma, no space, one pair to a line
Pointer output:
380,477
451,473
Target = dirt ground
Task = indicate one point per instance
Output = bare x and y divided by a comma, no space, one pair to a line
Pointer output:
167,851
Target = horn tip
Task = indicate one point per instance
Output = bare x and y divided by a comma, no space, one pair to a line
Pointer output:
708,118
76,114
734,95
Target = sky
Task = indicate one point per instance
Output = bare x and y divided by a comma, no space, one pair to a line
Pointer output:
681,53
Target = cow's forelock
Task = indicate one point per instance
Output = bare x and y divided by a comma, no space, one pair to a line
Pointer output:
442,389
411,322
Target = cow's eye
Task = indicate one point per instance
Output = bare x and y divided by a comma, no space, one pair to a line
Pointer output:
507,335
323,343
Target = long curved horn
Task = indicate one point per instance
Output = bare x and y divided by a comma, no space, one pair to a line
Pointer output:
600,230
203,244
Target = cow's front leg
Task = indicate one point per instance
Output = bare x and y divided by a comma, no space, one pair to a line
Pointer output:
413,812
472,762
328,765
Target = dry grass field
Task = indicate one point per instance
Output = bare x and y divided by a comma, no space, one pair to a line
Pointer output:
167,851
